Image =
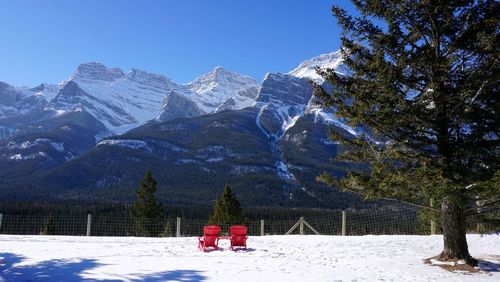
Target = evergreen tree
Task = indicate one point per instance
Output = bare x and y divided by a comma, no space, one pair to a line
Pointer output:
227,209
424,76
49,226
146,212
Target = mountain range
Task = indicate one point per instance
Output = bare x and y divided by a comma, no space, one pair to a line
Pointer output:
94,135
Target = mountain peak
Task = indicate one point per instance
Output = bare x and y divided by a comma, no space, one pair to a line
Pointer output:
219,69
151,79
307,69
216,87
97,71
220,75
218,72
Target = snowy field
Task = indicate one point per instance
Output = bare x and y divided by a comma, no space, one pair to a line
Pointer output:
270,258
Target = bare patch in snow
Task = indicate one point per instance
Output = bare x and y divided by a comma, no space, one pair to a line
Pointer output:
330,118
58,146
283,171
185,161
128,143
19,157
214,160
329,142
244,169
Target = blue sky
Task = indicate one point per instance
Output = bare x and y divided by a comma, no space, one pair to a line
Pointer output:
45,40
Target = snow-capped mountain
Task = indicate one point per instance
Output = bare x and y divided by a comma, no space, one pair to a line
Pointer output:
215,91
266,139
281,102
307,69
282,99
286,99
22,100
120,101
219,86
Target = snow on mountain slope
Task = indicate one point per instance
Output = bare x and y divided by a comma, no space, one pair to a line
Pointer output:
281,99
330,118
281,102
212,92
16,101
285,98
48,91
307,69
221,87
120,101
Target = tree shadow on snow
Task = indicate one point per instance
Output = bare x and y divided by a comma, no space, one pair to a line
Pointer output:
488,266
71,270
241,250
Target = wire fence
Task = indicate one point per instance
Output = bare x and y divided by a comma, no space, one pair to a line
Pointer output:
350,222
358,223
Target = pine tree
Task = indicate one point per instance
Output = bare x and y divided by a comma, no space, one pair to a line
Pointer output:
146,212
227,209
48,226
423,75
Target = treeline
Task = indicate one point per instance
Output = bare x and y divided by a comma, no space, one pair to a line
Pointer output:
110,209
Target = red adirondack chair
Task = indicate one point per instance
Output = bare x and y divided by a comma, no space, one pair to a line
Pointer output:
210,238
238,236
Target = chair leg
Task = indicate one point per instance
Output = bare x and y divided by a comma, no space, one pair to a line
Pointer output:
201,245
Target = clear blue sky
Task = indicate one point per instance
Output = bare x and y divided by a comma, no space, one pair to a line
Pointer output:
45,40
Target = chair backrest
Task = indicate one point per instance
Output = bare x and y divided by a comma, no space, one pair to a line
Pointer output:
238,235
211,230
210,235
238,230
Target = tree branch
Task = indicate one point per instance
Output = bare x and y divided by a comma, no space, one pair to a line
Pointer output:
471,213
479,91
398,200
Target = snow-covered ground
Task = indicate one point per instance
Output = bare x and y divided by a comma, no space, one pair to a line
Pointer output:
269,258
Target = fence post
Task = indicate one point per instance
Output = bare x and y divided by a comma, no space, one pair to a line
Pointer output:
178,228
433,221
1,216
310,227
479,225
261,227
89,223
344,222
294,227
301,225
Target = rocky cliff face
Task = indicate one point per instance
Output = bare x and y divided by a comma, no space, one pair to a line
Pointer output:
176,105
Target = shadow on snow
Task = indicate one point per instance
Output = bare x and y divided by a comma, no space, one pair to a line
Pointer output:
72,270
488,266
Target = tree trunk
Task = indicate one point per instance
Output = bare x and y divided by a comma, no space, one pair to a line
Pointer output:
455,241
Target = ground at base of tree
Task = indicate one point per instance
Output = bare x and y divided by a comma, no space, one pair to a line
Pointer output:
268,258
460,265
